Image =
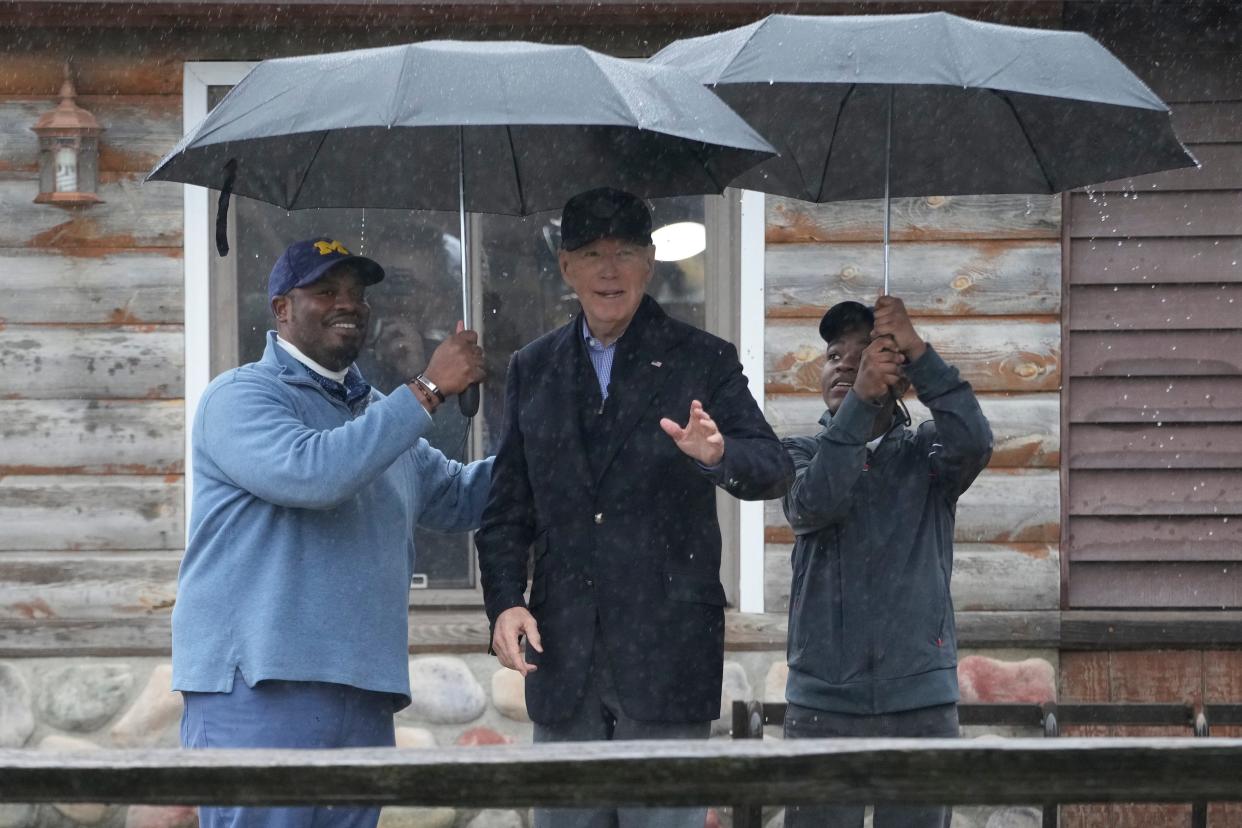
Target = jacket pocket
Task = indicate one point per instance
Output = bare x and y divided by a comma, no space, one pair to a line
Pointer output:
693,589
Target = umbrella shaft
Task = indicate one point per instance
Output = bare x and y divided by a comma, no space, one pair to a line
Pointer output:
888,157
461,215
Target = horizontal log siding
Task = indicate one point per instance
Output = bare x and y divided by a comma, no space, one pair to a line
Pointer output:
1154,332
982,277
91,357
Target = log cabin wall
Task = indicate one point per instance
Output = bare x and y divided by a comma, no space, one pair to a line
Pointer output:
982,277
91,355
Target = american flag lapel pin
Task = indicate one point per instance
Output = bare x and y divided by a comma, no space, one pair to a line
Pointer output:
657,363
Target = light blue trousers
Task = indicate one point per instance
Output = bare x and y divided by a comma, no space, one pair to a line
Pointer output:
288,714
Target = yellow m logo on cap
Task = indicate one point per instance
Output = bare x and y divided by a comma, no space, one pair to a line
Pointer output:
325,248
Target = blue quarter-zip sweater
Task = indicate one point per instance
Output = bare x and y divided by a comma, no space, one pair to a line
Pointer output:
302,524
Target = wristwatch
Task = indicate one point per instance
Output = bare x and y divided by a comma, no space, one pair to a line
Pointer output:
430,387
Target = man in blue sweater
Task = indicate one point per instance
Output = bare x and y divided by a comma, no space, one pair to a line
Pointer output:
872,648
290,628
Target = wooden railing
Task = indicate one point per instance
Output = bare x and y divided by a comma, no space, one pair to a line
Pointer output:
750,718
745,773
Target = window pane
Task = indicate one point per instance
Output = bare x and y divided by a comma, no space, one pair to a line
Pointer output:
412,311
525,297
419,302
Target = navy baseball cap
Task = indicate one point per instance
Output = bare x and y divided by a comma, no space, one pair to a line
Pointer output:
844,317
604,213
304,262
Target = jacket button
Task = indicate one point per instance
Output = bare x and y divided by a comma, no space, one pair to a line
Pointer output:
599,517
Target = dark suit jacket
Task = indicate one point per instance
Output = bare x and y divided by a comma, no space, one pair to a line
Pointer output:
622,522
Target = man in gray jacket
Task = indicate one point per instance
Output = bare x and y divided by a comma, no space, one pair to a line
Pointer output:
872,647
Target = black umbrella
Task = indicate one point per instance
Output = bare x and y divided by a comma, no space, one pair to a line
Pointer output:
496,127
930,104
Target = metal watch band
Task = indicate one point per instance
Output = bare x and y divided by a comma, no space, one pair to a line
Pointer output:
430,386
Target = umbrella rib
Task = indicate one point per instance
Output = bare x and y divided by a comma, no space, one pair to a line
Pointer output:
832,142
323,136
741,46
695,148
397,88
517,176
1052,188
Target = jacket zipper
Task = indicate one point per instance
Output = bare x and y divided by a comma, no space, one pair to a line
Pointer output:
866,592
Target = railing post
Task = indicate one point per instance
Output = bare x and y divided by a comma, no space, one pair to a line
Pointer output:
747,724
1051,810
1199,721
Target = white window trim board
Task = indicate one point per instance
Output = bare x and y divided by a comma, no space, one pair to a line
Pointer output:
196,206
750,346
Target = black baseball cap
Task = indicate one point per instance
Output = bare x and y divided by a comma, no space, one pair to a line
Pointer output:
304,262
601,213
844,317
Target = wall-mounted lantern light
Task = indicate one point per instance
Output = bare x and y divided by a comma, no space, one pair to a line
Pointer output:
68,152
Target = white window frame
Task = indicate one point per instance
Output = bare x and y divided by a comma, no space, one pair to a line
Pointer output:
737,316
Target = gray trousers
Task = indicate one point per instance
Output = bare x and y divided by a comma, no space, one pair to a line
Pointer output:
926,722
599,717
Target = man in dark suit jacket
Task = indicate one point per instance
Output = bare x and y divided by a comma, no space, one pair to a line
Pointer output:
624,634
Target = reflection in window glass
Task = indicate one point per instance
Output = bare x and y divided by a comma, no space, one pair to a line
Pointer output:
525,297
419,302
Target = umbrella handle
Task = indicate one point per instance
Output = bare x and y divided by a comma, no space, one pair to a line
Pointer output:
222,207
468,401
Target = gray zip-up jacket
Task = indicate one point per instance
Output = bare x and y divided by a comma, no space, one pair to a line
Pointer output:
870,616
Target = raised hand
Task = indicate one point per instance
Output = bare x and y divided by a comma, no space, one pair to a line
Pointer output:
892,321
457,363
700,439
879,370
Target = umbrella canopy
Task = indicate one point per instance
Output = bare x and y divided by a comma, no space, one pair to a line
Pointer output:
498,127
974,107
493,127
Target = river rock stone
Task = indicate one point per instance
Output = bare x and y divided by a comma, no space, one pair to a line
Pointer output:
735,686
983,679
482,736
1016,818
509,694
85,813
16,718
415,737
774,683
16,816
776,820
971,816
83,696
401,817
495,818
156,707
444,691
157,816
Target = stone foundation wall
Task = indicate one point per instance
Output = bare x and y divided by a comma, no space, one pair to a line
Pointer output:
85,704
